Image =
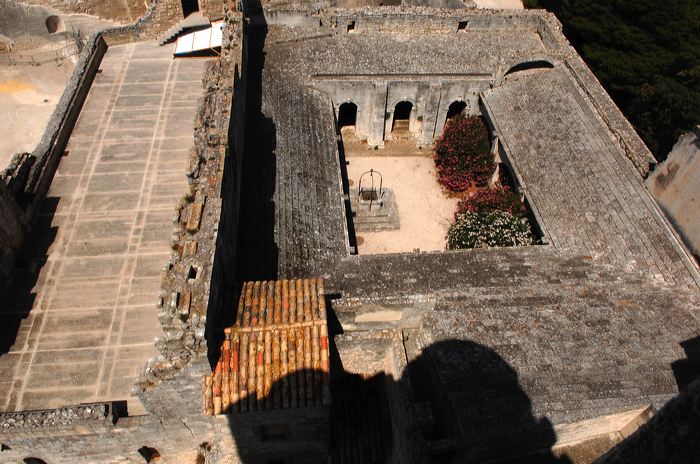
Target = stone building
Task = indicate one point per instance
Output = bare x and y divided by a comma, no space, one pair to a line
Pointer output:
554,352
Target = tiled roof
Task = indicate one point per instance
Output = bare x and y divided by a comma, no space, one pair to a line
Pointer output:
276,354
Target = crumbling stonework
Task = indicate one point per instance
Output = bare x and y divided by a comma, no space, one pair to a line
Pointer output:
185,302
61,416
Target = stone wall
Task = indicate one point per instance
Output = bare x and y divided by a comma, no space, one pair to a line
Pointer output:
675,184
116,10
198,280
13,226
28,177
672,435
377,98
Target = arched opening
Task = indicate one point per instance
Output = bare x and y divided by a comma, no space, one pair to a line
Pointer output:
54,24
456,109
528,65
402,116
189,7
347,115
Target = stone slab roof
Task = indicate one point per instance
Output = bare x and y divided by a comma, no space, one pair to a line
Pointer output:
470,52
293,219
276,354
590,199
556,335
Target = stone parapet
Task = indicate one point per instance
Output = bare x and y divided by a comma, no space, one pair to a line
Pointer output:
192,279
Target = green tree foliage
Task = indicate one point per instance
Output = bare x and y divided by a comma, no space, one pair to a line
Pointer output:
646,53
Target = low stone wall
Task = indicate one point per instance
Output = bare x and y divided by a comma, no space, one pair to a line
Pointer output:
71,415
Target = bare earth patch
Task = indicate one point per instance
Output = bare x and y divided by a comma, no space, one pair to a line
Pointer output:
425,211
28,96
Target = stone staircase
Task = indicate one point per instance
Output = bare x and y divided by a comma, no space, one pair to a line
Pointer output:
193,21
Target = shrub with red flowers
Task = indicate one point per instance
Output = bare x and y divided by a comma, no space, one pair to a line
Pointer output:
497,198
462,154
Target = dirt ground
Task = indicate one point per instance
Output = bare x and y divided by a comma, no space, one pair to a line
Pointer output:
125,11
28,96
500,4
425,211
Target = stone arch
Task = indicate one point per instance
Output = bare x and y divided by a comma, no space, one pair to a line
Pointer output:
402,114
347,114
54,24
455,109
537,63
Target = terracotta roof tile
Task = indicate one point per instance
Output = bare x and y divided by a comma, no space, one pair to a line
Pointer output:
276,354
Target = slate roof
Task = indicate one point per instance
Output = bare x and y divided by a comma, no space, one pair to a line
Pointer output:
293,221
395,54
515,330
589,196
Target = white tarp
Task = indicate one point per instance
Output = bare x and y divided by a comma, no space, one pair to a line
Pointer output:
206,39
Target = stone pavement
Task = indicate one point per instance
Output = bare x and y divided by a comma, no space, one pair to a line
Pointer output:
88,319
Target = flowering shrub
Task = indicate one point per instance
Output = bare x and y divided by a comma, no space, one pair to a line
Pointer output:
462,154
484,229
497,198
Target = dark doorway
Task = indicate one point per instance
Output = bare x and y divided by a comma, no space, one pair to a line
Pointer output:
189,7
347,115
402,114
54,24
456,109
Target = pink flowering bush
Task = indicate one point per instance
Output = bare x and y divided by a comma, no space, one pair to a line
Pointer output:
462,154
496,198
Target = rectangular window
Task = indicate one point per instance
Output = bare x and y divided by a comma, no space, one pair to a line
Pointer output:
351,26
462,26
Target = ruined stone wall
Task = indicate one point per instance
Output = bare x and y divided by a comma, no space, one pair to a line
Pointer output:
175,427
198,279
28,177
212,9
223,291
675,184
13,225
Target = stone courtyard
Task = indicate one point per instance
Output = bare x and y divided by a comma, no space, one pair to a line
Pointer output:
84,302
424,209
